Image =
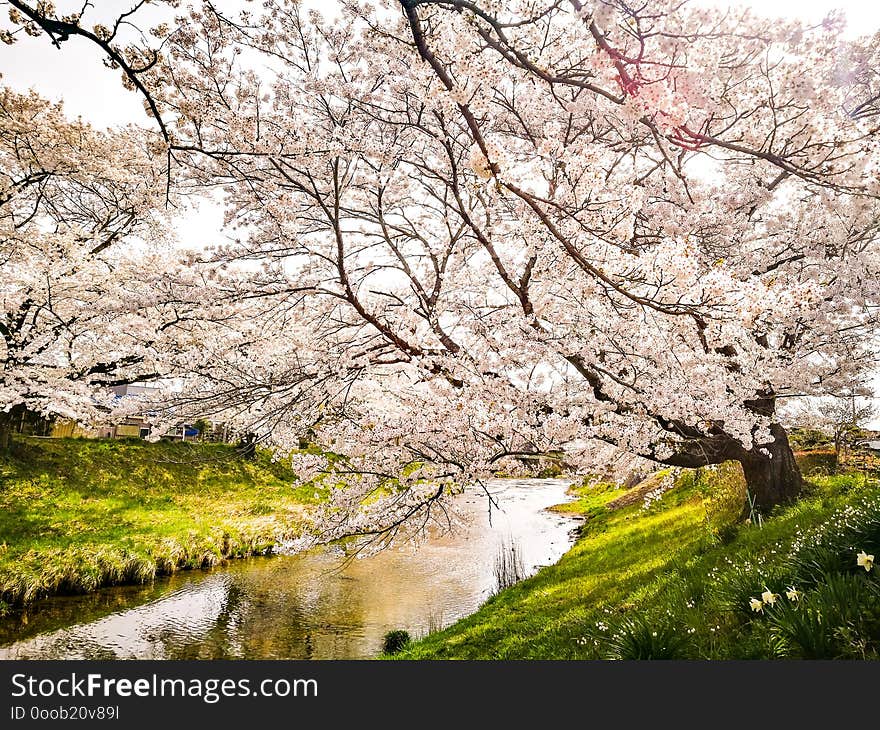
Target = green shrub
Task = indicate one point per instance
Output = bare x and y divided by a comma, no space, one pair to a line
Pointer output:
644,637
816,463
395,641
687,586
723,488
832,546
733,588
811,563
808,438
798,631
838,619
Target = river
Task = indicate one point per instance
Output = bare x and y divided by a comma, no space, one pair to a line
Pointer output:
313,605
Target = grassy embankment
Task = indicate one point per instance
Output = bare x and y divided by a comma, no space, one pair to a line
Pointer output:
77,514
676,579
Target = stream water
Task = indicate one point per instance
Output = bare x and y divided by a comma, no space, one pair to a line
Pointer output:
313,605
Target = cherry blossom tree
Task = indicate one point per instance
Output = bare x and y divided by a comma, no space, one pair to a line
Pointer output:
493,228
93,295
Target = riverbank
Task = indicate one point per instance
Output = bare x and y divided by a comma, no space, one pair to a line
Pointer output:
311,605
674,575
78,514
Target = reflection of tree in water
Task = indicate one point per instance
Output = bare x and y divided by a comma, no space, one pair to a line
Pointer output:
94,651
219,640
309,606
279,610
64,645
59,612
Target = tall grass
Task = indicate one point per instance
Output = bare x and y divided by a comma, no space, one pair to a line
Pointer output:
78,514
509,568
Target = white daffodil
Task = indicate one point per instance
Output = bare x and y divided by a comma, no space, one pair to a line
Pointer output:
792,594
864,560
769,597
756,605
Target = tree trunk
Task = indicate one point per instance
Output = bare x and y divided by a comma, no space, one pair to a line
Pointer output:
7,420
773,478
247,447
5,434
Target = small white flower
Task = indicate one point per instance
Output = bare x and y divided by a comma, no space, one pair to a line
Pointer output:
864,560
792,594
756,605
769,597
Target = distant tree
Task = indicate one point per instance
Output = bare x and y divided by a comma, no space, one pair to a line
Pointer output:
804,437
92,293
845,418
71,316
203,426
841,417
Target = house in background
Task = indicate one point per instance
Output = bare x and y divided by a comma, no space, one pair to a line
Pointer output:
140,426
869,440
132,426
136,426
62,428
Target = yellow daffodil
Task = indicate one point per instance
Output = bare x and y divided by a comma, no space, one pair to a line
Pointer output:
769,597
864,560
756,604
792,594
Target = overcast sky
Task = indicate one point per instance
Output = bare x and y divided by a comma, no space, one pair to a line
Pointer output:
90,90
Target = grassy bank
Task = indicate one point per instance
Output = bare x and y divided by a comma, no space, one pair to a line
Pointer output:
76,514
677,576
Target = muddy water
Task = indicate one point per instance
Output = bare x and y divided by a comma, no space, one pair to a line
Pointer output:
313,605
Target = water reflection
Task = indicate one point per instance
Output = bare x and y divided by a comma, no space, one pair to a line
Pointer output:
308,606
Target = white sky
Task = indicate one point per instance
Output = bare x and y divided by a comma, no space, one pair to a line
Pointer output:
91,90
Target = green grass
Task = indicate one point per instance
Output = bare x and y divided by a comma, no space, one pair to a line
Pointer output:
77,514
590,498
675,579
